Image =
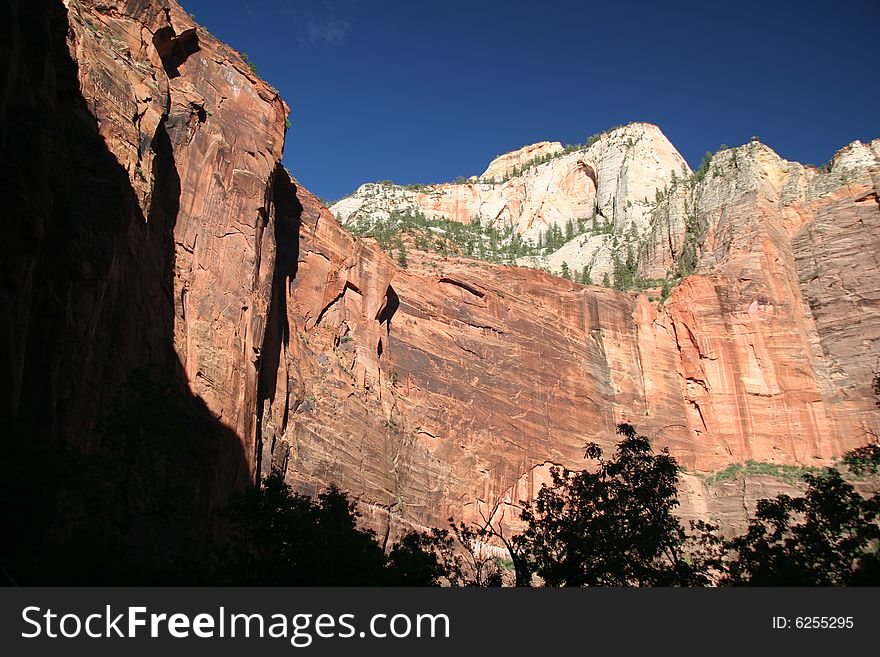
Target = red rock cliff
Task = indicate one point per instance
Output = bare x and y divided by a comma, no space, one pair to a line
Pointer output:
449,387
161,228
140,154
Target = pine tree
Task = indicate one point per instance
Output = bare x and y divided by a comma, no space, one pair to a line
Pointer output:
566,273
402,259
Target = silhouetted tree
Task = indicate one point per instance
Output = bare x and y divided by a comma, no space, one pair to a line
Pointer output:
479,567
422,560
615,526
829,537
517,548
278,537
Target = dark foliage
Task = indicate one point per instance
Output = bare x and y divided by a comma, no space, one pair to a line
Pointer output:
829,537
421,560
614,526
864,460
280,538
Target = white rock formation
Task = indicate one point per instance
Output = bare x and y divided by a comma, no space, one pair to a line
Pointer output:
616,177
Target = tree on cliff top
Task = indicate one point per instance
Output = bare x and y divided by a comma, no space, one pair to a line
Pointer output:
566,272
615,526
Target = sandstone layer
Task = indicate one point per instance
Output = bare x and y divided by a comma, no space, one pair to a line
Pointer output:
506,164
610,185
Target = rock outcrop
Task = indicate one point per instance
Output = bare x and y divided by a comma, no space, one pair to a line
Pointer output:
507,164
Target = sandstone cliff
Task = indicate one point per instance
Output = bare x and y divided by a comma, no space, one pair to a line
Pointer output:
609,186
507,164
140,154
764,350
483,376
158,227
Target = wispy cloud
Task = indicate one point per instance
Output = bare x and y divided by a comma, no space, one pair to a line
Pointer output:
331,32
325,23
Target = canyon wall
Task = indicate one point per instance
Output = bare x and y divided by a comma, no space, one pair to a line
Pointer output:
451,386
762,348
157,226
139,155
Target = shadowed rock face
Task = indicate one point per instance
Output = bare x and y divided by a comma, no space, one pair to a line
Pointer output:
152,74
139,154
447,388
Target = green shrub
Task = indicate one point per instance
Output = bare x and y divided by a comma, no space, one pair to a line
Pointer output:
250,64
788,473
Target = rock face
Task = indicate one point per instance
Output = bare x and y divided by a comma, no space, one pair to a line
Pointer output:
504,165
158,227
796,297
766,352
145,230
611,183
451,386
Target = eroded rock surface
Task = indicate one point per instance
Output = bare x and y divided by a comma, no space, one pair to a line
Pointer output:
143,231
159,227
486,375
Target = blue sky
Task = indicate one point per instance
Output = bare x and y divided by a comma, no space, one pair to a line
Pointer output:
422,92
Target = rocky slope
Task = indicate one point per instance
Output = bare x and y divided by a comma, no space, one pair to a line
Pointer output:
609,186
158,227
